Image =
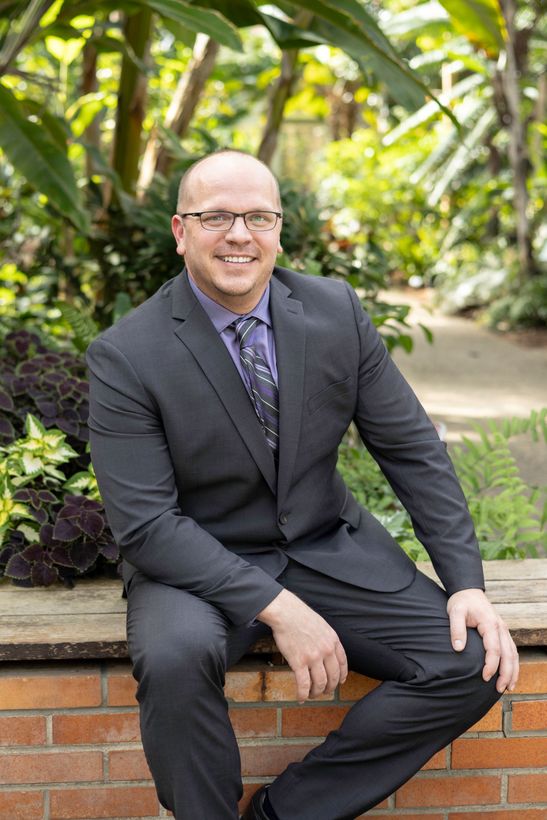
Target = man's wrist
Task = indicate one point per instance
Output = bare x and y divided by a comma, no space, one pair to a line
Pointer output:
273,612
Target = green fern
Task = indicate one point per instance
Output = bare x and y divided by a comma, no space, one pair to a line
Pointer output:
81,324
509,515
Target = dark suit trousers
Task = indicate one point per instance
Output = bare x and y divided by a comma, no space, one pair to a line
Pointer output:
181,646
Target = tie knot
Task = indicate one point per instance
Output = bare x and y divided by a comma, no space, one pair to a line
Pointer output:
244,328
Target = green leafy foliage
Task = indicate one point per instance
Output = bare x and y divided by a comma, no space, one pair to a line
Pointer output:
508,514
39,452
51,529
82,325
310,245
49,383
504,508
40,159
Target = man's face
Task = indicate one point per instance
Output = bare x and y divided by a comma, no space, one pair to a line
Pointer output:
232,267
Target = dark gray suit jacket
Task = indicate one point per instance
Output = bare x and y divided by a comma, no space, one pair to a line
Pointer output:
189,482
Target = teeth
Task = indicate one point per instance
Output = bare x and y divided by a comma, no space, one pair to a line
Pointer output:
239,259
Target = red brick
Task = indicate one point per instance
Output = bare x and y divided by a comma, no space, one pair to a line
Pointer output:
51,767
49,691
267,761
248,790
312,721
357,686
449,791
527,788
96,728
533,674
244,685
254,722
121,689
118,802
21,805
280,685
501,814
495,753
529,715
438,761
491,722
128,765
22,731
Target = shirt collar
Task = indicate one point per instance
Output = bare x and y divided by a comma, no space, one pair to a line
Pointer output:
221,317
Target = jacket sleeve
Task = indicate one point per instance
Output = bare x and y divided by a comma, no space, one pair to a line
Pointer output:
131,458
400,436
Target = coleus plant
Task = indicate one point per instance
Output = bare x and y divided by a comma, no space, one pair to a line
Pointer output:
49,530
51,384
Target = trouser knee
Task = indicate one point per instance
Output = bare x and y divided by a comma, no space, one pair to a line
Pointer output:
179,669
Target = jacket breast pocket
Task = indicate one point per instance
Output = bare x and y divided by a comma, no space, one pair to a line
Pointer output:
327,394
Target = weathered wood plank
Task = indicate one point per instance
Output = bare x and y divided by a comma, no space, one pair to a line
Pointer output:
529,569
89,621
89,597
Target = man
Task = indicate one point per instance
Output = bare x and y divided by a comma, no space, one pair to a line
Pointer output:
216,411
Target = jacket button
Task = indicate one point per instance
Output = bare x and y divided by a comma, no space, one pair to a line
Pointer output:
283,518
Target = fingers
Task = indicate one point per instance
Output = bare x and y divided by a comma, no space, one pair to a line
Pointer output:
328,672
303,683
471,608
342,661
458,628
509,662
501,655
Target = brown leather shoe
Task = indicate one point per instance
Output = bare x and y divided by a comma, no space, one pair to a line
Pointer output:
255,809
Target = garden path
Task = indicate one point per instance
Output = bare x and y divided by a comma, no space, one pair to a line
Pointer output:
471,374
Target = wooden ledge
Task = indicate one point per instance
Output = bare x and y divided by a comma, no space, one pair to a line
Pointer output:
88,622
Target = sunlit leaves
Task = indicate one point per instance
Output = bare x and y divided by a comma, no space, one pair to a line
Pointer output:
65,51
480,21
40,159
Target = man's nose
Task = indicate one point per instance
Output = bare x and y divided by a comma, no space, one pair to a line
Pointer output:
239,231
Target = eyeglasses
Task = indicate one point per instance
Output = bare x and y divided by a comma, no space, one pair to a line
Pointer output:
223,220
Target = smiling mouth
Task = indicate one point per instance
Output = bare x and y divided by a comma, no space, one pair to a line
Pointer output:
238,260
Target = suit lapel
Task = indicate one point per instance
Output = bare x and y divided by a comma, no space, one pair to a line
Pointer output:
290,345
200,337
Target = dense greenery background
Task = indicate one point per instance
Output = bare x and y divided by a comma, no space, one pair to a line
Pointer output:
409,139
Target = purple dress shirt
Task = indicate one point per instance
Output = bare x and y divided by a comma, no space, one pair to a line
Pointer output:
262,337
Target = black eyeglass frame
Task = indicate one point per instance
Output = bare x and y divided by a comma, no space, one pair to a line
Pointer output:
234,215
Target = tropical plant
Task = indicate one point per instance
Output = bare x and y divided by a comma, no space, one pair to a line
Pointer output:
488,177
509,515
68,33
311,245
50,383
51,529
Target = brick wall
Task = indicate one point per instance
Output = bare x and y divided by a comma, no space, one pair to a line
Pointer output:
69,745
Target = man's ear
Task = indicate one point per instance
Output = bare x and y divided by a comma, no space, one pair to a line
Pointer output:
177,226
279,248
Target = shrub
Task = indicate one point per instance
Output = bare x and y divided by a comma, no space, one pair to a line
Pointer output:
509,515
49,531
50,383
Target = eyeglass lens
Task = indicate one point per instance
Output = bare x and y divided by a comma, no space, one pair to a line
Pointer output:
223,220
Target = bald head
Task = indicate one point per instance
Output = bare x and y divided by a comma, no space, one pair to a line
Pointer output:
223,164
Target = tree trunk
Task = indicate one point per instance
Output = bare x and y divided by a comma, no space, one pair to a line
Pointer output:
518,150
281,92
156,158
131,101
92,134
344,109
539,117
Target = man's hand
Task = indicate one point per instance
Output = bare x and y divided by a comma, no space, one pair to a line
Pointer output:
471,607
309,645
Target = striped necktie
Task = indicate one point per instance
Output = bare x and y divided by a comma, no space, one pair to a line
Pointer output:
264,395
